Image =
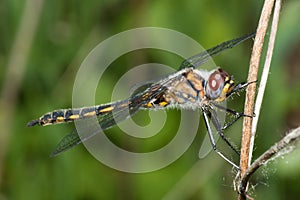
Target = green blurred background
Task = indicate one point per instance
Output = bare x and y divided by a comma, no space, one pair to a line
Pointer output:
41,48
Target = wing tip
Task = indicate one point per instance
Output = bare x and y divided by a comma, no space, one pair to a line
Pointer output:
54,153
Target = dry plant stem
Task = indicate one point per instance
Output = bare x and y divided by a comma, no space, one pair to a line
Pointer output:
263,82
287,141
265,73
250,131
252,76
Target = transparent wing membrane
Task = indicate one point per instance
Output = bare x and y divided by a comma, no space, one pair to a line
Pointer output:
201,58
121,111
105,120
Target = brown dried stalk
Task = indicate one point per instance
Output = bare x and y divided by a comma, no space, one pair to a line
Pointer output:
249,129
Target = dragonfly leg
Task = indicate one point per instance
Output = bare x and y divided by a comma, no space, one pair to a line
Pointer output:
207,116
239,87
237,115
219,128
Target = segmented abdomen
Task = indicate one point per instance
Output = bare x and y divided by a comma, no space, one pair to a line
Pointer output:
68,115
145,99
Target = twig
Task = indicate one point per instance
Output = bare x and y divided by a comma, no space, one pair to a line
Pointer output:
250,92
284,143
265,73
249,129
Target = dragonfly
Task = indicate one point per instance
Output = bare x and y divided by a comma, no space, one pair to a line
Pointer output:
187,88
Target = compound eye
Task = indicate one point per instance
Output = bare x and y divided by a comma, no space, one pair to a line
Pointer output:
215,85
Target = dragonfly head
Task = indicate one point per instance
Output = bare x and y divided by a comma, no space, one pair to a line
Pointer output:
218,85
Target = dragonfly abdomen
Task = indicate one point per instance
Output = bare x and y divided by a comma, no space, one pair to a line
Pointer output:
69,115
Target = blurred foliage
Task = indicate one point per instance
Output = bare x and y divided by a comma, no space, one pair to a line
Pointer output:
68,30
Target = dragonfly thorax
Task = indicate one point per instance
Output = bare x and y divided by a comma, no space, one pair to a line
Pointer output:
189,89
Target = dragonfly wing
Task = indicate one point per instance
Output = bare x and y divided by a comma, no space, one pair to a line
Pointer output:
105,120
69,141
201,58
114,113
